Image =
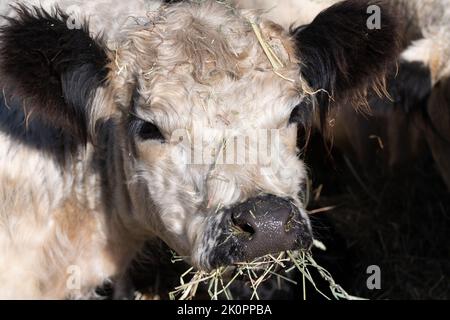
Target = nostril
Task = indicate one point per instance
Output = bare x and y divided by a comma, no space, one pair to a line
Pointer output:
292,222
241,226
247,228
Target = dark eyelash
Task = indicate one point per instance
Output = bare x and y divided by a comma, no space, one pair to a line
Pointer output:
145,130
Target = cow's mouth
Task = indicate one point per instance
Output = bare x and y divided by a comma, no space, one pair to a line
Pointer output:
260,226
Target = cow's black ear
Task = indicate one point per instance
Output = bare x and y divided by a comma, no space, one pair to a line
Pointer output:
343,52
52,68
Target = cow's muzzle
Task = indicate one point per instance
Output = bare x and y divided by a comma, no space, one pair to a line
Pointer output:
259,226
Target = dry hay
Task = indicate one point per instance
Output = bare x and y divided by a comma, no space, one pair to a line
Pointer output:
255,273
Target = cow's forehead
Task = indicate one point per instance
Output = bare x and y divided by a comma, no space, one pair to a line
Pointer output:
262,99
208,65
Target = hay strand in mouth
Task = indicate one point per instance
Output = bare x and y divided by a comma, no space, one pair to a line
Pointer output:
280,267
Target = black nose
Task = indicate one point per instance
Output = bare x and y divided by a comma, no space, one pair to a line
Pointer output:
269,224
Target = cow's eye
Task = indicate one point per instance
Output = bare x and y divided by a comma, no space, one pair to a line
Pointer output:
149,131
145,130
295,116
302,114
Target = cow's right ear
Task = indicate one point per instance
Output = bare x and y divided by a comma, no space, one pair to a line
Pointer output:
341,56
51,68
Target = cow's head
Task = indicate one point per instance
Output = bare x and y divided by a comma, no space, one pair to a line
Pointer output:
206,102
